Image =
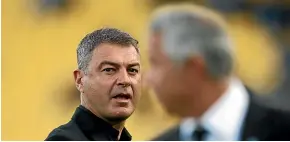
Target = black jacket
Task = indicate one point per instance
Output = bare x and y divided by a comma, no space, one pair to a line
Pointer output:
85,126
261,123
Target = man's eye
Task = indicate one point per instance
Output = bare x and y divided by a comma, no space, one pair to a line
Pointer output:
108,70
132,70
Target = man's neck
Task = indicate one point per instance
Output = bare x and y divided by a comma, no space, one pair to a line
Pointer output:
116,125
209,94
119,127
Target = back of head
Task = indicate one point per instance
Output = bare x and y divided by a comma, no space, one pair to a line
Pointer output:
194,39
188,30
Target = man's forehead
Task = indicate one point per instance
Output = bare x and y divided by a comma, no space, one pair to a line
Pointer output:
116,53
155,38
155,44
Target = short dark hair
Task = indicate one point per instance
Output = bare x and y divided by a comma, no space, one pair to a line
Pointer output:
104,35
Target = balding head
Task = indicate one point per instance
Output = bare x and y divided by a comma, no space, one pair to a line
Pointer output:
188,30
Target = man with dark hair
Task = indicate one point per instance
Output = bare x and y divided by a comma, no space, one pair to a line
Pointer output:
108,78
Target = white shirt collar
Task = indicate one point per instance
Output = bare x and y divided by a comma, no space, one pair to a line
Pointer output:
224,118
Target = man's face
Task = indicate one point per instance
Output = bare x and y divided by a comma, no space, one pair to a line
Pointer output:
112,83
168,81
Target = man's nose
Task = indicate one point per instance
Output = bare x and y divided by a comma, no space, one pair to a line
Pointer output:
124,79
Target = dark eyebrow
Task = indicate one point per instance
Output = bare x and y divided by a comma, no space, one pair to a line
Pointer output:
116,64
108,63
134,64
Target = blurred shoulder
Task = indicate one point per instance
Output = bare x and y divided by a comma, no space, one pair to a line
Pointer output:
172,134
279,117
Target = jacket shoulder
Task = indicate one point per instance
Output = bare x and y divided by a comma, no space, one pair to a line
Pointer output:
172,134
269,123
279,118
273,116
58,135
278,125
66,132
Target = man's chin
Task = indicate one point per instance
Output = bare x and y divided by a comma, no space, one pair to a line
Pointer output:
120,115
117,119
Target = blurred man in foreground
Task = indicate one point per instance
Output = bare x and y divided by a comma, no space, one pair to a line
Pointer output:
108,78
192,61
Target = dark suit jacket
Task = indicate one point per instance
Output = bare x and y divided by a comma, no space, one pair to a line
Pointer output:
261,123
85,126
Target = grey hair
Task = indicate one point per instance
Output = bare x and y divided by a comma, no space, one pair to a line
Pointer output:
97,37
186,33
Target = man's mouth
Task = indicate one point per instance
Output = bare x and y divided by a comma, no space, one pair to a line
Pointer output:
123,96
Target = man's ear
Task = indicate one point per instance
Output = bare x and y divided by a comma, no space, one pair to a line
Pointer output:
197,64
78,76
